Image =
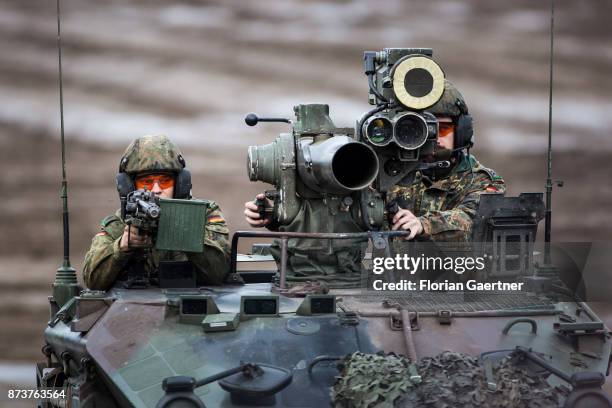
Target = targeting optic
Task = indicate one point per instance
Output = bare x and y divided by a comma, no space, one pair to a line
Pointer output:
408,130
418,82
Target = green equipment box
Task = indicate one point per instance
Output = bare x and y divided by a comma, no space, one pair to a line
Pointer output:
181,225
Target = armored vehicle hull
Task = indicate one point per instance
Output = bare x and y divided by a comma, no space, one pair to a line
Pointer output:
118,347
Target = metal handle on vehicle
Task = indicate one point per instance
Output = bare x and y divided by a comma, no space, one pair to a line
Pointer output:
534,325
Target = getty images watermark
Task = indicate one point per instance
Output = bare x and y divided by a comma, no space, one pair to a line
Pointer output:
403,264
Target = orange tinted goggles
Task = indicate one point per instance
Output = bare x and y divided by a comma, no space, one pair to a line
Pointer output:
163,180
445,129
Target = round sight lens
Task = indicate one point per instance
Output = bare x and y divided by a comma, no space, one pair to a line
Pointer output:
410,131
418,82
379,131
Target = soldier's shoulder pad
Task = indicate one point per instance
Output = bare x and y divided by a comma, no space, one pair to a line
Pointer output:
108,220
489,172
112,226
211,206
213,213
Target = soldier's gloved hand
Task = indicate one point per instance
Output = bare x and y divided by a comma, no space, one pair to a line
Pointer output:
136,240
251,212
406,220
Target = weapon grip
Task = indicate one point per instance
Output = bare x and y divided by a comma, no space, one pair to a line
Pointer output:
404,203
394,206
392,209
261,207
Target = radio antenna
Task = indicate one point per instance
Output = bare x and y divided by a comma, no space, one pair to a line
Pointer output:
547,270
65,285
549,181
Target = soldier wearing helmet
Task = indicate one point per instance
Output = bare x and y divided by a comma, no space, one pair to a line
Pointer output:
443,202
154,163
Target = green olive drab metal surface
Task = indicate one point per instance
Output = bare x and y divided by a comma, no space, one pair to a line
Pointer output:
136,339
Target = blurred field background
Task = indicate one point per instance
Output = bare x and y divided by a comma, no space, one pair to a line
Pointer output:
194,69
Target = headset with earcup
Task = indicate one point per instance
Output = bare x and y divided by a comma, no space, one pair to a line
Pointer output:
453,105
464,129
182,184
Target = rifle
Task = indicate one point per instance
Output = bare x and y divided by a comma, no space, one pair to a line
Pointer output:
142,211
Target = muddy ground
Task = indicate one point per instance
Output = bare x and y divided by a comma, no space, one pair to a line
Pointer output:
194,69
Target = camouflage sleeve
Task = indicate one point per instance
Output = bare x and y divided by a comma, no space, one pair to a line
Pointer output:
213,263
104,260
456,224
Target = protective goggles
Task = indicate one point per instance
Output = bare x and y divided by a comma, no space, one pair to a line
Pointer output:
445,129
148,181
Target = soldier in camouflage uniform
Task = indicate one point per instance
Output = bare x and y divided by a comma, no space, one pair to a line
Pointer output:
156,163
443,202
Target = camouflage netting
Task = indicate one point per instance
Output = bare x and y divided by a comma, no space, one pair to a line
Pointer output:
449,380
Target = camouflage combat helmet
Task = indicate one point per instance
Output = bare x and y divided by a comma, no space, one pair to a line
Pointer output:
451,103
152,153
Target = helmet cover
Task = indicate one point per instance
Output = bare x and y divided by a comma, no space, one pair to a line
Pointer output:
451,103
152,153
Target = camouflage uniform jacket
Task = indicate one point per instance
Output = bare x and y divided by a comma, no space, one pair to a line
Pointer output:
446,207
104,262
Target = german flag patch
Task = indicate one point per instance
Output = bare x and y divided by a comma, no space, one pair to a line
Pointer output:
491,189
215,219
